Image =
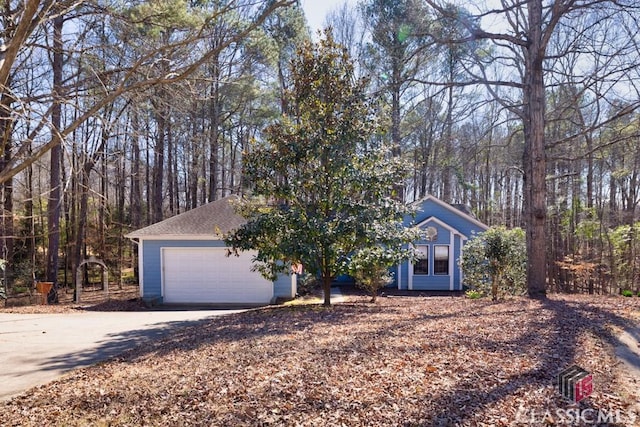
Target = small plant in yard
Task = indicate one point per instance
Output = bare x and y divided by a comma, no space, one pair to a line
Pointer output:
473,294
370,268
373,280
20,289
627,293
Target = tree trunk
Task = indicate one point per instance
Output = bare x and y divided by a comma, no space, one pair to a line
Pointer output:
214,123
534,155
508,220
396,140
192,200
56,158
6,131
158,167
136,177
495,279
213,165
30,242
326,289
170,169
136,193
589,139
147,174
82,220
448,148
102,249
120,191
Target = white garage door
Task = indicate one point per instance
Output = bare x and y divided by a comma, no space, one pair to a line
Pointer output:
207,275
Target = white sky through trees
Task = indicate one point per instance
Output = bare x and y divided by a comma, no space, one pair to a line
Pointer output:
316,11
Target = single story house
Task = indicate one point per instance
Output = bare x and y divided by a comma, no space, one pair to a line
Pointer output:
184,260
446,227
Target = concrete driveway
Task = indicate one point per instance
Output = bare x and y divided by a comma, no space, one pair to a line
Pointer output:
38,348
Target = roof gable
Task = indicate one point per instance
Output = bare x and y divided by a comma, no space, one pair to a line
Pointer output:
433,219
213,219
457,219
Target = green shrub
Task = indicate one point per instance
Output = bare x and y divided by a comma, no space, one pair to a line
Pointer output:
20,289
627,293
370,268
495,262
372,280
473,294
129,278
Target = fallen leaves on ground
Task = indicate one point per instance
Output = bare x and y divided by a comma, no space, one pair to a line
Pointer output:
405,361
124,298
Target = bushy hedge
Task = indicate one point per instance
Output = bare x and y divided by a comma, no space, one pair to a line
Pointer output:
495,262
370,268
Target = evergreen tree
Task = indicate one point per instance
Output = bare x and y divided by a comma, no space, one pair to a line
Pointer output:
326,185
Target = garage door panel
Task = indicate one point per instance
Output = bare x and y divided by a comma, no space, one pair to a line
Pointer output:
207,275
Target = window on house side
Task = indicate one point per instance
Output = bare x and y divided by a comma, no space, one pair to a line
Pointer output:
421,263
441,259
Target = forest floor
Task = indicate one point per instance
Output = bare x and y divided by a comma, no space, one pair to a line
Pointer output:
432,361
123,298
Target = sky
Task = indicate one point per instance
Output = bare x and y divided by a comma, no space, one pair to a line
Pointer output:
316,10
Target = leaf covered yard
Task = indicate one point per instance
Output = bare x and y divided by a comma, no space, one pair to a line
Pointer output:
403,361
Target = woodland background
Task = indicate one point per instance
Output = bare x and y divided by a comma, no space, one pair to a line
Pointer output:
116,115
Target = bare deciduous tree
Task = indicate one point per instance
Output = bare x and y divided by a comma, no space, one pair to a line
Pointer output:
521,59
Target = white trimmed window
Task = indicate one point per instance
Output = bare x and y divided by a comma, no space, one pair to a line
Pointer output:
441,260
421,263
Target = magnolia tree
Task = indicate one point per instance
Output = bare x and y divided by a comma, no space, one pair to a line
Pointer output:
322,180
495,261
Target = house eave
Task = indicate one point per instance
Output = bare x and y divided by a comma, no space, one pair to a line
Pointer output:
175,237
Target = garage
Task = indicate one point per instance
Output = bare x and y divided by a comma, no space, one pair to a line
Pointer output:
208,275
183,260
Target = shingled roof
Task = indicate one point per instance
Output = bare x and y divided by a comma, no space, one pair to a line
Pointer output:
213,219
